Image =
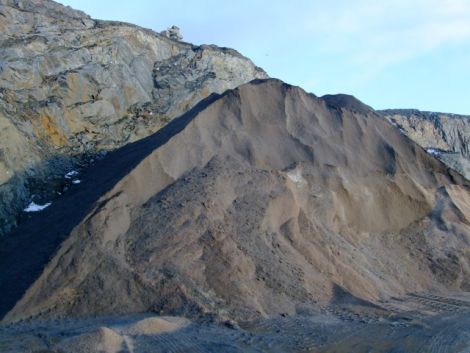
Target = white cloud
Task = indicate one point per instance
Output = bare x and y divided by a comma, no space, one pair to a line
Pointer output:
382,33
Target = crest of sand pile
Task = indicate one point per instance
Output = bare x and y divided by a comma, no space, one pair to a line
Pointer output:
155,325
103,340
116,339
268,197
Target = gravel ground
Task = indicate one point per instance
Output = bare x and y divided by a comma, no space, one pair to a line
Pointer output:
417,323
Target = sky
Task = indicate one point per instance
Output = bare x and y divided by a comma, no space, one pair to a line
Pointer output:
387,53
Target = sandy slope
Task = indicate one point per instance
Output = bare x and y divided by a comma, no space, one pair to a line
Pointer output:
259,202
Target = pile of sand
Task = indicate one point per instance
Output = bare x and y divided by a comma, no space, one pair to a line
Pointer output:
155,325
255,203
101,340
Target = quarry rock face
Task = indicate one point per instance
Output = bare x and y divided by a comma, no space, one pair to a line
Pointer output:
447,136
255,203
71,86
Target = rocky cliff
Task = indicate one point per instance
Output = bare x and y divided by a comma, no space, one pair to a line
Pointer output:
72,86
446,136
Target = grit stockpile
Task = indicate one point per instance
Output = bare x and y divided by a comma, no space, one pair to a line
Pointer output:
261,201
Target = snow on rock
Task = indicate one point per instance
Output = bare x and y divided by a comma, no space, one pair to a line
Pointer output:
71,174
76,181
34,207
433,151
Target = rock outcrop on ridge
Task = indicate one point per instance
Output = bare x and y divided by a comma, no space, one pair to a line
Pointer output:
72,86
446,136
257,202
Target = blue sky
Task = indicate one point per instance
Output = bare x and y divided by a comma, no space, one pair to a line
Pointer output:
388,53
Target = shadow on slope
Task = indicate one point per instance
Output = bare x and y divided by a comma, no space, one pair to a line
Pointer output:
27,249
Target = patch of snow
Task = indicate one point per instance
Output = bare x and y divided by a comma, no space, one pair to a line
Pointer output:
433,151
76,181
295,176
71,174
33,207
